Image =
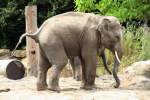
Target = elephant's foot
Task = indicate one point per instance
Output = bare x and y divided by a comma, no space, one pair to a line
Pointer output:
77,78
54,85
88,87
54,88
96,75
117,85
109,72
41,87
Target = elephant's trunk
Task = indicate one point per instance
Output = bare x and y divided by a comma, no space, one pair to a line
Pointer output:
118,56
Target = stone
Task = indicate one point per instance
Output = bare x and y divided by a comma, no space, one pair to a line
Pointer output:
4,52
139,68
137,76
20,53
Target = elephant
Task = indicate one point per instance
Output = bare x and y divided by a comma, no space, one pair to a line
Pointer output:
72,34
76,66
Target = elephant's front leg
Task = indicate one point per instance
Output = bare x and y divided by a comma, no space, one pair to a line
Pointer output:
43,66
89,71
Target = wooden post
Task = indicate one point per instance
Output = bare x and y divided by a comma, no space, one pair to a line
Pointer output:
31,27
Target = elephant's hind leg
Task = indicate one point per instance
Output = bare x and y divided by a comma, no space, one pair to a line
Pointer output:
54,77
43,66
76,66
57,57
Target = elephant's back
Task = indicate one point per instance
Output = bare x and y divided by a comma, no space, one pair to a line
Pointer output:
70,18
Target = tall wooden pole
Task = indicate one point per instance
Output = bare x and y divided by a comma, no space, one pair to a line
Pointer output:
31,27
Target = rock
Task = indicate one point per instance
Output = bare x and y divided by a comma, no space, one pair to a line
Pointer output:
139,68
4,52
137,76
20,53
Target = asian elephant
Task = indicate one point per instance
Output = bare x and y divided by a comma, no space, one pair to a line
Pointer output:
75,34
76,66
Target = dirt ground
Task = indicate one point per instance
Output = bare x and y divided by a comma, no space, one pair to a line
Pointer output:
25,89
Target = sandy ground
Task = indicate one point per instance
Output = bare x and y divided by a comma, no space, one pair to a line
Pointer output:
25,89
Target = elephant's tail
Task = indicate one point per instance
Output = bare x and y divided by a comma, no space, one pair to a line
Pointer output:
18,43
33,36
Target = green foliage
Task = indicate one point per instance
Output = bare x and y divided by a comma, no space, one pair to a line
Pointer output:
11,16
136,45
85,5
137,42
145,53
123,9
132,40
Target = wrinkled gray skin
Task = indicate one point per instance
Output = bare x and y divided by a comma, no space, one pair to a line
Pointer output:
76,66
75,34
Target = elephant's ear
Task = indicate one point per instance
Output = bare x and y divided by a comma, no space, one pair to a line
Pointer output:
104,24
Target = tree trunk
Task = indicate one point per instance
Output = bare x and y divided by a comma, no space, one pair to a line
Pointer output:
31,27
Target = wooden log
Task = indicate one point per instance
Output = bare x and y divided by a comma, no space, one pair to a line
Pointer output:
12,69
31,27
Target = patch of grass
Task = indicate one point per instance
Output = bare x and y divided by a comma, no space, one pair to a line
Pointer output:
145,53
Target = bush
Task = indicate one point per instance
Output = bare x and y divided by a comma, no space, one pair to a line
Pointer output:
136,45
145,53
125,10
